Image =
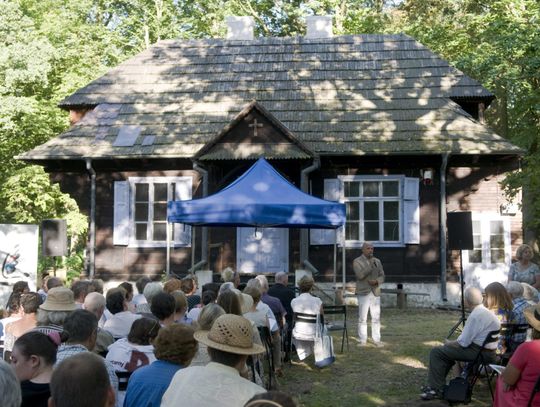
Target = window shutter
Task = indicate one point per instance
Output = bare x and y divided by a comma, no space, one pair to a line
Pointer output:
121,213
411,211
331,193
182,233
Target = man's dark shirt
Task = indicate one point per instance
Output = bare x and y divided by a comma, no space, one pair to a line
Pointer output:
285,295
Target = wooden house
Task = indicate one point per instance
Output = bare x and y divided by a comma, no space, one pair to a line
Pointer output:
379,122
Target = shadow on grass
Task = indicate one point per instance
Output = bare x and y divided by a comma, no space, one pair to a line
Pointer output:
370,376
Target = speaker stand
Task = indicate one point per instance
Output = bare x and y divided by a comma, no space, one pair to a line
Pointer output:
463,318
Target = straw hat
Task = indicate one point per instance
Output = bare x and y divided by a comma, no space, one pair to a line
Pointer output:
532,314
230,333
59,299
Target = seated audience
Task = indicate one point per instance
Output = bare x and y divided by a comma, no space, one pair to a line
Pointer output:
54,311
119,324
498,301
229,343
172,284
180,308
189,287
53,282
174,349
258,317
207,317
515,384
480,323
33,358
81,381
303,333
530,294
129,294
12,313
271,398
162,307
208,297
29,304
10,396
80,289
95,303
229,275
81,331
140,284
515,290
19,288
524,270
150,290
137,350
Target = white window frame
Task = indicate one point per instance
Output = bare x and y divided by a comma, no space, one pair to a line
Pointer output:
485,218
179,228
400,199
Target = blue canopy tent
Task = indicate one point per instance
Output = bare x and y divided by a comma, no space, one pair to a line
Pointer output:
261,197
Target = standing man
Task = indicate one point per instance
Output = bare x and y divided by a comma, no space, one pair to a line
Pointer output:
369,277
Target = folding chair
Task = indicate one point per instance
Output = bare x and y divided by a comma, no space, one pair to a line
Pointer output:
474,369
509,332
303,318
340,325
535,390
123,379
266,339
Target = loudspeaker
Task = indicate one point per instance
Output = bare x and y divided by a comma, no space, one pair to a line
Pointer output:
54,237
460,236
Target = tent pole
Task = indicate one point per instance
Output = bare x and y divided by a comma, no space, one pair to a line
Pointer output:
343,256
335,265
168,266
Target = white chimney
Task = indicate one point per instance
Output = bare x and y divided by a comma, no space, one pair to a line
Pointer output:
240,27
319,27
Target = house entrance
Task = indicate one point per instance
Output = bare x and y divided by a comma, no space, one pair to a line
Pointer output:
261,250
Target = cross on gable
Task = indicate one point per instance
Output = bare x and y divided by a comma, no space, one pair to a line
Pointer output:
255,126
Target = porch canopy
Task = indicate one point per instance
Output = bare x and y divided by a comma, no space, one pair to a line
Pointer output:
261,197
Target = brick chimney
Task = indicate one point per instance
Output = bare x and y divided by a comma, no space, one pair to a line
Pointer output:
319,27
240,28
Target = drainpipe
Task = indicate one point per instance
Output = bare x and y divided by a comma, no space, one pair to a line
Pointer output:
92,231
204,233
304,186
442,225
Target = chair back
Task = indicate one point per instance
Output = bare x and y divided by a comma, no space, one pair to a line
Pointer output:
335,310
491,337
123,379
535,390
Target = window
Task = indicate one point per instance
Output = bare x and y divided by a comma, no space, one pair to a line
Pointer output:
383,210
141,211
489,238
372,210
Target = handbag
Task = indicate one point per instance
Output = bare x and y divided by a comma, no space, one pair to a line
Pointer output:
323,346
458,390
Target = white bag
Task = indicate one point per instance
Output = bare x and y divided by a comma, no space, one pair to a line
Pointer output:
323,346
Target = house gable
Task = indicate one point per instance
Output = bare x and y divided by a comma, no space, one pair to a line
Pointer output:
254,133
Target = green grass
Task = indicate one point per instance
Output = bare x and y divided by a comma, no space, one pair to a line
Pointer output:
369,376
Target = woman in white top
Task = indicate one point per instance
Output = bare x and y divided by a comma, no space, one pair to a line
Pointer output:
304,332
258,317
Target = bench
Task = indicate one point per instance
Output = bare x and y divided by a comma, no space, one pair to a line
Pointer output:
401,295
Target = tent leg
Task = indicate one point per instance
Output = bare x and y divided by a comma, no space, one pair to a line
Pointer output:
168,265
343,257
335,265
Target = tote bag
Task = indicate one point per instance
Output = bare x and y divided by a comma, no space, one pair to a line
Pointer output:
323,346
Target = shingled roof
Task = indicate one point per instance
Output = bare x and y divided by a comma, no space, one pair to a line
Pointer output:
349,95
